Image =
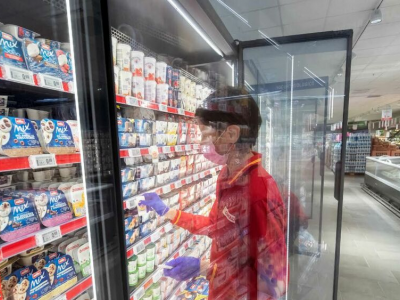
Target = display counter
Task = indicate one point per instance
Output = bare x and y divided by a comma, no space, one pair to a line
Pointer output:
383,176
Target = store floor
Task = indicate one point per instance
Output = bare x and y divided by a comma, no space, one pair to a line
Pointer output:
370,250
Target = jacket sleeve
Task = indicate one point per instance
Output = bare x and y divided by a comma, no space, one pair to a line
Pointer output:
196,224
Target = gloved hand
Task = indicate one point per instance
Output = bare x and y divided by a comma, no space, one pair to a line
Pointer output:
184,268
153,202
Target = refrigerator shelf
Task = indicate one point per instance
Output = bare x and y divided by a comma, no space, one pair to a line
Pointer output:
15,79
21,163
10,249
77,289
132,101
132,202
134,152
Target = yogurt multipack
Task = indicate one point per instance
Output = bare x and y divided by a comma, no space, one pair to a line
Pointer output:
15,284
18,218
18,137
11,53
61,273
57,137
65,63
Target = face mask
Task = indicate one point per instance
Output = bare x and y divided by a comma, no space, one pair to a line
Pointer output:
212,155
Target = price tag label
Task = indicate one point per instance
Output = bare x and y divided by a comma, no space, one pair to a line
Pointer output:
131,101
163,107
168,227
196,177
138,294
196,146
62,297
155,236
166,189
48,235
134,152
179,148
181,111
130,203
213,172
42,161
196,207
50,82
157,276
182,251
19,75
188,147
139,247
166,149
189,180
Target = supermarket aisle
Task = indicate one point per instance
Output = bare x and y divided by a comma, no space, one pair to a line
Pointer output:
370,252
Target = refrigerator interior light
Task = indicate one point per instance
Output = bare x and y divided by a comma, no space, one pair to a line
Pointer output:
195,26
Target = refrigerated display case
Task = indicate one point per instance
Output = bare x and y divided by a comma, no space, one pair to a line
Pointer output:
382,175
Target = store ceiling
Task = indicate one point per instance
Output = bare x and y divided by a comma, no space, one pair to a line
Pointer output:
375,80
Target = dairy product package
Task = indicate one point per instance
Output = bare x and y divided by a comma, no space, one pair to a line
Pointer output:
145,140
18,137
172,139
34,257
65,63
150,90
128,174
144,171
161,72
19,32
57,137
138,87
76,133
41,58
131,236
125,83
149,68
114,42
161,139
125,124
129,189
144,126
11,53
162,166
137,63
10,283
161,127
72,247
53,44
52,208
36,286
18,218
172,128
127,140
77,200
82,259
131,222
123,56
62,274
63,245
146,184
162,93
116,79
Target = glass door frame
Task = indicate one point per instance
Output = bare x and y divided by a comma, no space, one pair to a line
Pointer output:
339,176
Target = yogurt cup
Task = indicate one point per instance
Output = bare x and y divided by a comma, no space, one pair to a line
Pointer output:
142,271
123,56
150,90
138,87
133,278
125,83
149,68
162,93
161,72
137,63
141,258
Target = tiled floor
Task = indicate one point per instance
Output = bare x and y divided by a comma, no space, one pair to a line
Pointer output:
370,250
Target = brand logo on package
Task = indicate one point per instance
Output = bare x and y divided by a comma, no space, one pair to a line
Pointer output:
7,36
35,275
62,260
53,193
25,271
20,121
60,123
19,201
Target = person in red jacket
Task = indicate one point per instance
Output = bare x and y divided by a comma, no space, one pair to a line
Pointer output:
247,222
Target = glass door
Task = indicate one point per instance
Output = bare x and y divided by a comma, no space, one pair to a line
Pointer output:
303,98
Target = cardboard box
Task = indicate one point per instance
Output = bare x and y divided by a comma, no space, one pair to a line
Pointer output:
380,153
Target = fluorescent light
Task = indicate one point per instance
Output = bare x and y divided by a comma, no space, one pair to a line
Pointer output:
234,12
194,25
376,16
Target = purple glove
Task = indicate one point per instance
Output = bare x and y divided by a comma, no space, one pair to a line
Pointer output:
153,202
184,268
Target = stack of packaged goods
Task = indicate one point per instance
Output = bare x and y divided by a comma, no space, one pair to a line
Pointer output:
358,147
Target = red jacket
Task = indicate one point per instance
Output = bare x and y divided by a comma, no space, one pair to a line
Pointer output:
247,224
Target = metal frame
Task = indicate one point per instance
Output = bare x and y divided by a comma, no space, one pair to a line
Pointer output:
348,34
91,33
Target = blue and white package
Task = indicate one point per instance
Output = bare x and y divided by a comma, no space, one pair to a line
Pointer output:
20,33
62,274
52,208
18,218
18,137
11,53
57,137
52,44
35,286
125,124
127,140
144,126
41,58
128,174
10,282
65,63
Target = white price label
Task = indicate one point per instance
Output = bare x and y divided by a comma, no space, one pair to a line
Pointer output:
162,107
196,207
179,148
131,101
50,82
168,227
189,180
139,247
157,276
62,297
181,111
134,152
213,172
178,184
196,146
138,294
196,177
182,251
42,161
166,149
155,236
130,203
19,75
48,235
188,147
166,189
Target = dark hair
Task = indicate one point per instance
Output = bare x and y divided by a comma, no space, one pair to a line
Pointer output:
237,108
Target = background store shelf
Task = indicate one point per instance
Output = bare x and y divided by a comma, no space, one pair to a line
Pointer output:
132,101
22,163
10,249
134,152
